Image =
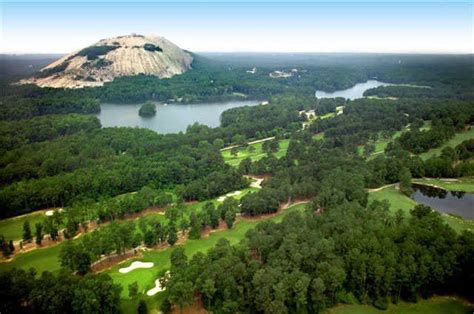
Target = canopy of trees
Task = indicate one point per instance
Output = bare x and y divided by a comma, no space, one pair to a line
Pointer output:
308,262
148,109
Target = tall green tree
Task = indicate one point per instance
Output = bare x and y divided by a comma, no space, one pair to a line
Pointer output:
142,307
38,233
172,235
405,181
27,231
133,289
229,219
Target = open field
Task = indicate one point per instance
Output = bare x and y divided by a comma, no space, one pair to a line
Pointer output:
456,140
256,155
434,305
12,228
399,201
459,184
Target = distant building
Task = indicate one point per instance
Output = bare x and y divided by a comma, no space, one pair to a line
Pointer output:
280,74
253,71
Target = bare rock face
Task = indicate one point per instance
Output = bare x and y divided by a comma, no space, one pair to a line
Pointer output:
114,57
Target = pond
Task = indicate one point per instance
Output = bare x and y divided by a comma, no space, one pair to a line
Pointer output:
171,118
354,92
456,203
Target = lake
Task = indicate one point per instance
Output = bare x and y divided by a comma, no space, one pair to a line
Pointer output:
171,118
456,203
356,91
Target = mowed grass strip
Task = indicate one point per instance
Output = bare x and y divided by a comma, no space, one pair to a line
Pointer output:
161,258
399,201
382,143
456,140
257,154
434,305
465,184
40,259
12,228
48,258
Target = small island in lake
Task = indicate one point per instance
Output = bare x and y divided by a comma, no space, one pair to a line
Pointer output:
147,110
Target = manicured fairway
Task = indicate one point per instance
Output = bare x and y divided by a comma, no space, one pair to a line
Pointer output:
396,199
48,258
161,258
256,155
41,259
380,145
434,305
399,201
456,140
12,228
459,184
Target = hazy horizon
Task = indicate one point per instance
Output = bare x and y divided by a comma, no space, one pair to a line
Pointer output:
265,27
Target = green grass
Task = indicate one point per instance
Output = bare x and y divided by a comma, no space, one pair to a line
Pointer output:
380,145
256,155
327,115
396,199
161,259
381,98
456,140
434,305
426,125
40,259
146,277
318,136
399,201
48,258
12,228
460,184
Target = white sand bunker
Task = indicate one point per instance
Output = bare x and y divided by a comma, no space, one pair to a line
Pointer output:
256,184
156,289
135,265
222,198
50,212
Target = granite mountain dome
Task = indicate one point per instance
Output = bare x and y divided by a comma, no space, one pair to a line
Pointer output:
114,57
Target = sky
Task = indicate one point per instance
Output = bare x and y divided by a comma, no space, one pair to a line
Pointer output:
225,26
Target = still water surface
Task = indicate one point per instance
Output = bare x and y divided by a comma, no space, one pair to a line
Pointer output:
171,118
356,91
456,203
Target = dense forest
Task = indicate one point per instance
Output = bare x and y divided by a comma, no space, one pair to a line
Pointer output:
310,262
342,248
